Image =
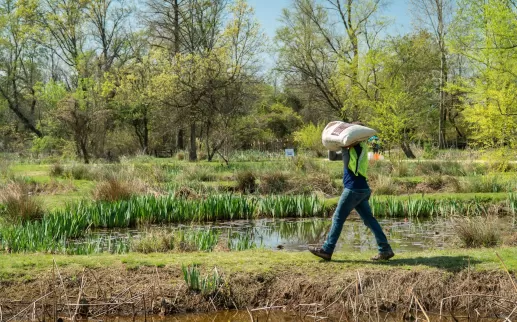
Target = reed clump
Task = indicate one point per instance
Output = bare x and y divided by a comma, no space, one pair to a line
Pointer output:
18,203
114,190
478,231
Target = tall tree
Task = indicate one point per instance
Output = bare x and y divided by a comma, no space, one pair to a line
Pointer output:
485,33
436,15
20,60
320,39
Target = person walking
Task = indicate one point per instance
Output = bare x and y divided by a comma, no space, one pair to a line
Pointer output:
355,195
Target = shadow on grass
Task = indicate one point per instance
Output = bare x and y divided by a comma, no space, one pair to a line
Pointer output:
449,263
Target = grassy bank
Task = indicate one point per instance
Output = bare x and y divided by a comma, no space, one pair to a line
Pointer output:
20,267
155,283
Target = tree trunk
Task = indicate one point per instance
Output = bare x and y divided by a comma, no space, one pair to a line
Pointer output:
146,134
176,27
84,152
28,124
443,76
180,139
407,151
192,155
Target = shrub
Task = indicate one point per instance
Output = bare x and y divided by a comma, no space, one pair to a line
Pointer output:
477,231
434,182
180,155
309,138
430,152
56,170
511,240
113,190
79,172
275,182
246,182
484,184
317,182
452,183
18,204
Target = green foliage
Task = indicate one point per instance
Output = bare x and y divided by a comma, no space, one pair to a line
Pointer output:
47,145
241,242
197,240
206,286
309,138
484,33
430,152
281,120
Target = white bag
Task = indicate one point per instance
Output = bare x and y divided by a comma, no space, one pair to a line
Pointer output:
340,134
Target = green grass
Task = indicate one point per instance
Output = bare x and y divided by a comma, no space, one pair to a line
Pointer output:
22,267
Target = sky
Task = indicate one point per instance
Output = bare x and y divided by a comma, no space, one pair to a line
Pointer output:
268,13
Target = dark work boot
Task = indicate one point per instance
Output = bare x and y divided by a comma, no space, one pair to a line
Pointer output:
384,256
318,251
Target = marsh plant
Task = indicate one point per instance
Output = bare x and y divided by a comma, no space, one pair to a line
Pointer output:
207,285
240,242
160,241
246,181
18,203
478,231
114,190
196,240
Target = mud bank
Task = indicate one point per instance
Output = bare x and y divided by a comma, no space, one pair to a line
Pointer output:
317,288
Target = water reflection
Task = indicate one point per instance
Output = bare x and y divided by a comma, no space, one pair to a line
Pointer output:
295,235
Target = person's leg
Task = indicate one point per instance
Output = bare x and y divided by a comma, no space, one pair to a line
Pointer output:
365,212
347,202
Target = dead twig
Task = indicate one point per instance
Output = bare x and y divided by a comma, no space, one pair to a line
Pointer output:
251,315
421,307
64,287
79,296
507,271
29,306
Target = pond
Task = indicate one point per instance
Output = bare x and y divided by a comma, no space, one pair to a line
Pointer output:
295,234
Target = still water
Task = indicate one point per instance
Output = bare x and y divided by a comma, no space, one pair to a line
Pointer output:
295,234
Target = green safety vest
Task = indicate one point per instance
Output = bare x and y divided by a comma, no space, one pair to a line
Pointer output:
359,164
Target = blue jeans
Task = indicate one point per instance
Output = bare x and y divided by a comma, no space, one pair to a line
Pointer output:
349,200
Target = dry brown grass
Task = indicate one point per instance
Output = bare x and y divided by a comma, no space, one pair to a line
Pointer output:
114,190
275,182
480,231
246,181
19,205
315,182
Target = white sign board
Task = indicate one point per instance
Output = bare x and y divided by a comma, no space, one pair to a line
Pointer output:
289,152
